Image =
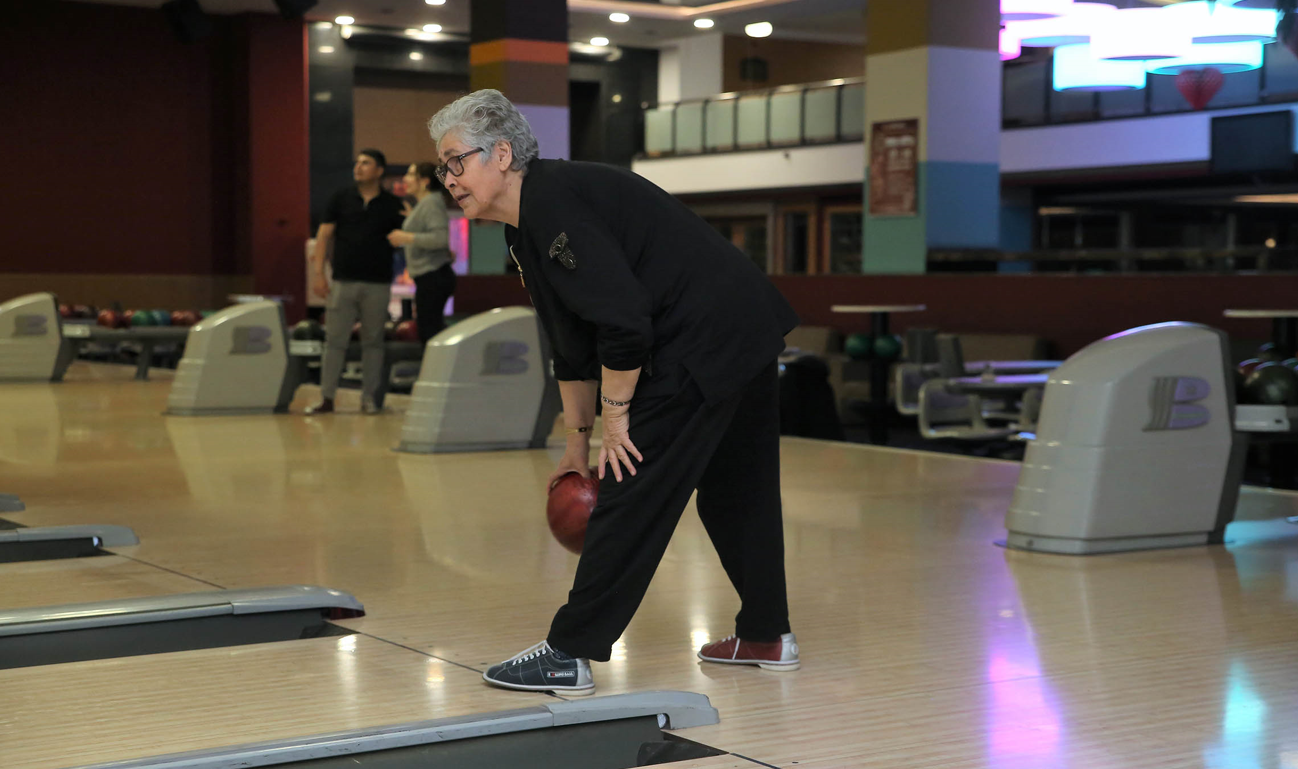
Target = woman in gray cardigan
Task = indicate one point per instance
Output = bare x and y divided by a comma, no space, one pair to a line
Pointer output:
428,259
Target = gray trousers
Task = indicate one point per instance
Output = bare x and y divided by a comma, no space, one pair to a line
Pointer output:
350,301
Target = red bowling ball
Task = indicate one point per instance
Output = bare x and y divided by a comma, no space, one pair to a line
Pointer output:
569,507
407,331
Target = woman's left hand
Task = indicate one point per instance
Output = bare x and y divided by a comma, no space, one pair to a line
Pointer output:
399,238
618,449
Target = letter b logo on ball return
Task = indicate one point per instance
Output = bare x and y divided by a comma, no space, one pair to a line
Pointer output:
1173,402
30,325
250,340
504,358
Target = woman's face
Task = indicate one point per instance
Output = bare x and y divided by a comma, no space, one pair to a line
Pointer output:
482,183
412,180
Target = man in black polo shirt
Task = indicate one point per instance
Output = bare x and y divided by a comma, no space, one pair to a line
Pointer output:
359,218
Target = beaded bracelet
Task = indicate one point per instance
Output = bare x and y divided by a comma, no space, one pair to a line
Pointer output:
613,402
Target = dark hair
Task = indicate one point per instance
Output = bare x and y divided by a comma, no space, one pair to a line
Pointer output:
378,157
427,171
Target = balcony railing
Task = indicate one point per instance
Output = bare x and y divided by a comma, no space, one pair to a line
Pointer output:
788,116
1030,100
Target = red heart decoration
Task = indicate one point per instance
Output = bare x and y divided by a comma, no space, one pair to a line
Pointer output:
1198,86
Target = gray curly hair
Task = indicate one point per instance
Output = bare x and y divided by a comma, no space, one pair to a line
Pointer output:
483,118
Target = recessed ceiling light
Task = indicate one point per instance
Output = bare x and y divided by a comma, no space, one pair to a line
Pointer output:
704,23
346,33
435,2
599,42
344,20
432,27
620,18
326,49
760,29
416,55
324,24
617,98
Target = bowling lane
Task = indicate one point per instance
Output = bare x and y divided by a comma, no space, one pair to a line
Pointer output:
80,580
896,590
110,710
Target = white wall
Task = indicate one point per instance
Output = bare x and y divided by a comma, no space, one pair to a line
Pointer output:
669,75
1183,138
691,68
759,170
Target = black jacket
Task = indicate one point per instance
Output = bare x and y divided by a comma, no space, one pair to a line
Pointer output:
624,275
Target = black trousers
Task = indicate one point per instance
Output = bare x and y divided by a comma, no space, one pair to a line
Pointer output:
432,289
730,452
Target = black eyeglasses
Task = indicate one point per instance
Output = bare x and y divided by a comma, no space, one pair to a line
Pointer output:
454,165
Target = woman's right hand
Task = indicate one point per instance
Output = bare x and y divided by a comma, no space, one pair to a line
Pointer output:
574,461
321,286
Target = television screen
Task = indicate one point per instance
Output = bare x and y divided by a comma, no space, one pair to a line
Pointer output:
1253,143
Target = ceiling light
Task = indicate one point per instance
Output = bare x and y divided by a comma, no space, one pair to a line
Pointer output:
1077,69
760,29
1010,46
414,32
1139,34
1227,57
346,33
1074,28
326,49
435,2
617,98
432,27
599,42
324,24
619,18
1287,199
703,23
344,20
416,55
1218,22
1031,10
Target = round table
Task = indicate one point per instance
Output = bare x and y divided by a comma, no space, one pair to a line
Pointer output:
878,408
1284,327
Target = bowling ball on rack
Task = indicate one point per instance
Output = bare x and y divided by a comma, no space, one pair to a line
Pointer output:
161,317
1272,384
887,347
1246,367
859,346
568,508
307,330
1268,351
407,331
65,311
110,319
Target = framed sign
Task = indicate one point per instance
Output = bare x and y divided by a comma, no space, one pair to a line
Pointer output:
894,165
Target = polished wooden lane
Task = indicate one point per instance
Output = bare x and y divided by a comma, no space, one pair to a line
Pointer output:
107,710
923,642
80,580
